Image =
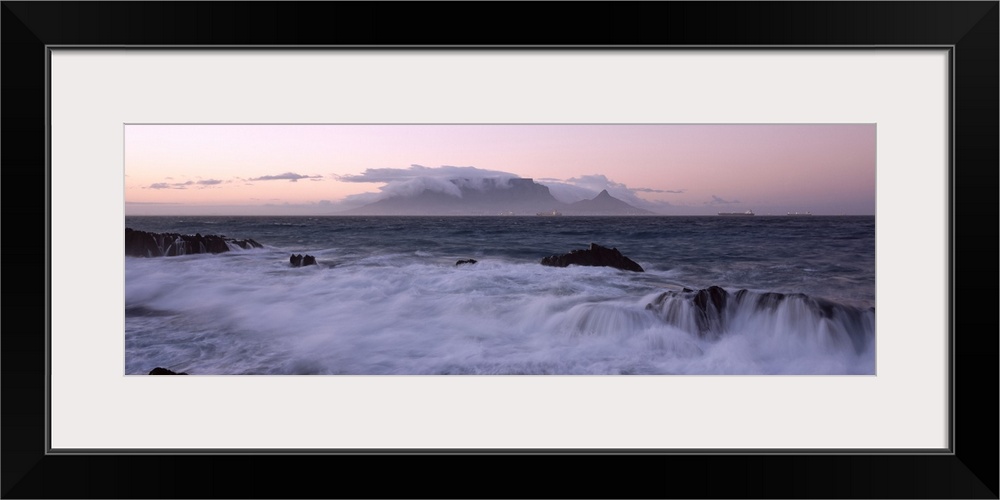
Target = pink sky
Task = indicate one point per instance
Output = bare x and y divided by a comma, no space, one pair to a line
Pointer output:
674,169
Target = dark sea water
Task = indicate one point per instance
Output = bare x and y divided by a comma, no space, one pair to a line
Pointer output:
387,298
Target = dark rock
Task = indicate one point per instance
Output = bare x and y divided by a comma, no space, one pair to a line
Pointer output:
466,261
163,371
595,256
141,244
247,244
769,301
709,311
218,245
712,297
302,260
145,244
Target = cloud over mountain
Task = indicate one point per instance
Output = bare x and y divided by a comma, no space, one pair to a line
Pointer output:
412,181
457,181
415,171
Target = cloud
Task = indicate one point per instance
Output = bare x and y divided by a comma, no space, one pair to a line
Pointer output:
173,185
357,200
719,201
182,185
648,190
594,182
416,179
287,176
413,187
420,171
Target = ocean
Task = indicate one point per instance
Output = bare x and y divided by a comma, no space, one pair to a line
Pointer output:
795,296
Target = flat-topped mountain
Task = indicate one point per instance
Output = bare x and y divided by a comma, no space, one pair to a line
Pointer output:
493,196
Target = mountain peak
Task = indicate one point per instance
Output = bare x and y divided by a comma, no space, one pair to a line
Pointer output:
604,204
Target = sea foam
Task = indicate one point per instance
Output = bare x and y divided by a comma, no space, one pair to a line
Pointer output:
410,313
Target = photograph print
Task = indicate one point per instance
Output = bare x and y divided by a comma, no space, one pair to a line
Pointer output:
477,249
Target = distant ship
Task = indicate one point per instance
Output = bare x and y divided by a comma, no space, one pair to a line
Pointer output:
748,212
549,214
799,213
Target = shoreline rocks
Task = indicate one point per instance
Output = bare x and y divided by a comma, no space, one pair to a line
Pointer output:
709,311
596,255
146,244
302,260
163,371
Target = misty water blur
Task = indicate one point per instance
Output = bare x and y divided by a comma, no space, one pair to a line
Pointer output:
387,297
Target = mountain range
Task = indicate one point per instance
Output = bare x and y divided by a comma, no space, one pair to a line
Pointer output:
515,196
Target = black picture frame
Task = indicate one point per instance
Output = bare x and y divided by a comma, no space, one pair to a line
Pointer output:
968,470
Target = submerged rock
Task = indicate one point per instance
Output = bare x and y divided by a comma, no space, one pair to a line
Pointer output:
704,311
145,244
466,261
710,313
713,297
595,256
163,371
302,260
